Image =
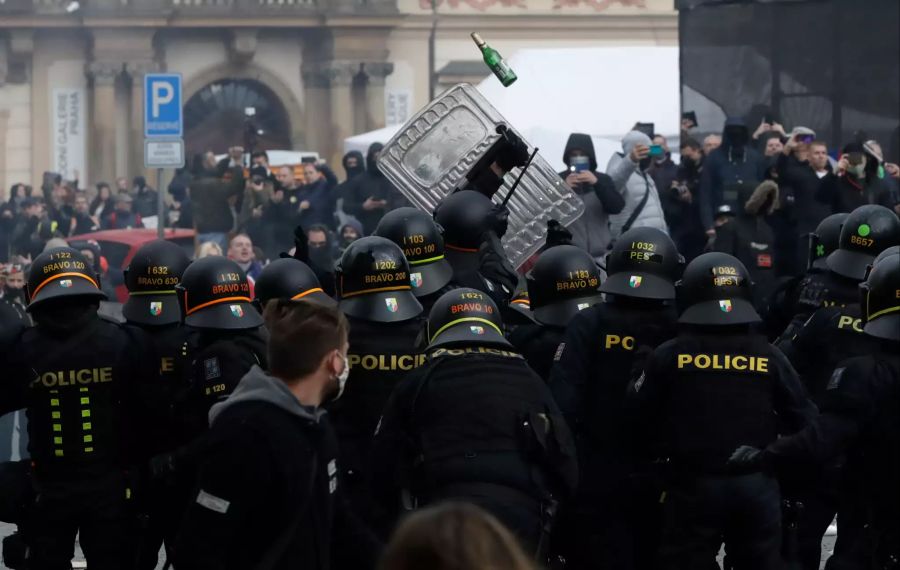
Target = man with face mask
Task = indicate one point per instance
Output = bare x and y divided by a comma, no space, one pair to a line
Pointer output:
629,172
733,163
370,195
268,493
591,231
848,187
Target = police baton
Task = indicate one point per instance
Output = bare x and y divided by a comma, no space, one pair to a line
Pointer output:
519,178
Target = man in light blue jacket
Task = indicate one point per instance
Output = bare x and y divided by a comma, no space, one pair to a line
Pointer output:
628,171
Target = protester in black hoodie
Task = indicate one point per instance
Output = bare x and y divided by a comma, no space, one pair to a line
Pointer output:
733,163
353,164
370,195
268,493
590,232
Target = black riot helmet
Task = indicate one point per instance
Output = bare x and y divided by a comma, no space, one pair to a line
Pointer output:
644,263
151,277
62,272
289,278
214,294
463,215
881,298
893,250
825,240
563,281
866,232
419,237
465,317
373,282
716,290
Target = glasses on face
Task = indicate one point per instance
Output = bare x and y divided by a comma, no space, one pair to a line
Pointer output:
317,244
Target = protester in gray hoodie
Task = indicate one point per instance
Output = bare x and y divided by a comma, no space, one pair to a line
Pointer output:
268,494
628,171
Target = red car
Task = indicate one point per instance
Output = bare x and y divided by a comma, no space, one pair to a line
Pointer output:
119,246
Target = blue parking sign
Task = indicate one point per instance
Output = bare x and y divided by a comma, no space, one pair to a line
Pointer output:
162,105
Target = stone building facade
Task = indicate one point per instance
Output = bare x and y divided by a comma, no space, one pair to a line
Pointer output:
311,72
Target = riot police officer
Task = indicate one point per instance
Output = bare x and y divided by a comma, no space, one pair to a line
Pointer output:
475,423
376,296
715,386
780,308
420,238
473,226
858,416
226,336
289,278
866,232
76,375
612,521
152,305
563,281
825,240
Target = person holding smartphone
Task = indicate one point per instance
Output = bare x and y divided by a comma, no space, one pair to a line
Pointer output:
799,212
591,231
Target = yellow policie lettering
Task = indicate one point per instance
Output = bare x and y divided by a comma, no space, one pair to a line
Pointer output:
738,362
385,361
74,377
626,342
166,364
846,321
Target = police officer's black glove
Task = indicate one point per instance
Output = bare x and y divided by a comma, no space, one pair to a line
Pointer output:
495,267
498,220
557,234
513,151
748,459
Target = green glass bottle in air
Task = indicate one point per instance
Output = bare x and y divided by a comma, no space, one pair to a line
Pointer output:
495,62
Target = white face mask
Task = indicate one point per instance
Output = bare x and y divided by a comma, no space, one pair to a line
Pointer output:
342,378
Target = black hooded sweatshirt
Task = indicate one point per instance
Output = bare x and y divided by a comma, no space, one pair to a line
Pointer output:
353,171
370,184
591,231
732,164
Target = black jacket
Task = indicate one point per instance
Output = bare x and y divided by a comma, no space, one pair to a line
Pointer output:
604,347
733,163
712,389
268,489
749,238
75,365
476,424
859,416
371,184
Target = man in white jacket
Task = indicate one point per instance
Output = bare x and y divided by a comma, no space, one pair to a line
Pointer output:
628,170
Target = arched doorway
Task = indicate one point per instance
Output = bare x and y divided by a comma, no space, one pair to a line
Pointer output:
228,112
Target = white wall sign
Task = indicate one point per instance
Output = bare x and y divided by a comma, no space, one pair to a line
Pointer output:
397,106
69,137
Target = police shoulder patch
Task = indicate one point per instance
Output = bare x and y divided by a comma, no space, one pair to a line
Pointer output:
211,368
835,381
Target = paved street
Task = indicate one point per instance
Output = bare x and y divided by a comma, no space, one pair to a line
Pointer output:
6,529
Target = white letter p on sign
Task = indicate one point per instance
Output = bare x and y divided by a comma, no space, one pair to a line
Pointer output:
162,94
